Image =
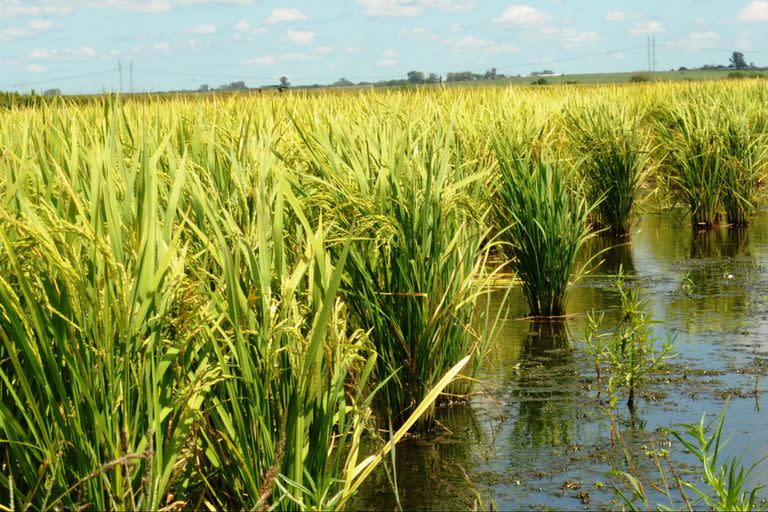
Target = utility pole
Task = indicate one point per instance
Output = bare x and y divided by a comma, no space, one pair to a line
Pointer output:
120,73
653,52
648,51
131,76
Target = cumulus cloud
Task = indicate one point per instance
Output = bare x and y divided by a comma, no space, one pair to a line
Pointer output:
755,11
133,5
418,32
242,26
11,8
393,8
266,60
572,37
156,6
504,48
648,27
32,28
285,15
616,16
696,41
472,42
387,59
35,68
522,15
204,29
162,46
297,37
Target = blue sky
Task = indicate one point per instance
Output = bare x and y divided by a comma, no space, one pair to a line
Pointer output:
77,45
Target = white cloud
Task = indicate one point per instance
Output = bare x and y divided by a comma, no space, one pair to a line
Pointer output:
216,2
472,42
522,15
133,5
266,60
572,37
616,16
41,53
648,27
696,41
323,50
352,50
242,26
11,8
297,37
418,32
455,28
296,56
618,56
754,11
35,68
392,8
162,46
387,59
206,28
40,25
32,28
285,15
85,51
504,48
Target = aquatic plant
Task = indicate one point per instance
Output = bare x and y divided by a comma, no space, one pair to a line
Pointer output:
630,351
543,213
614,158
171,332
693,159
744,168
418,261
726,483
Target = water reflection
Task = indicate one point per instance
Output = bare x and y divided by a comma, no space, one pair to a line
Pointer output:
609,255
439,463
545,389
730,242
717,293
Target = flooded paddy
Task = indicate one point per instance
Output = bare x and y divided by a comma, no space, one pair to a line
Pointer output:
536,435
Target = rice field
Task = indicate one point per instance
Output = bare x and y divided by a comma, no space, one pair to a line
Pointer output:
248,301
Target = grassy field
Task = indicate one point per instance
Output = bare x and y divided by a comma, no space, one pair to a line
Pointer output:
210,303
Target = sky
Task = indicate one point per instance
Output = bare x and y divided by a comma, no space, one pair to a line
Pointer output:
81,46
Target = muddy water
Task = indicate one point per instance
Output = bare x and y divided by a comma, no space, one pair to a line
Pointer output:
537,435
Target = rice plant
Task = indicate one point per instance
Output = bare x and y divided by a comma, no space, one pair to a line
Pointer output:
744,165
418,263
694,160
171,329
615,162
544,216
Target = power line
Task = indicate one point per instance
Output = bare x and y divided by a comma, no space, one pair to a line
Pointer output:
55,79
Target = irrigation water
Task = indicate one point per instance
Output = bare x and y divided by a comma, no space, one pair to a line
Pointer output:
537,437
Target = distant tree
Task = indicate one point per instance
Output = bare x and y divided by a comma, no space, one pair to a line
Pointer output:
343,82
416,77
52,92
461,76
434,78
490,74
284,83
204,88
737,60
234,86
